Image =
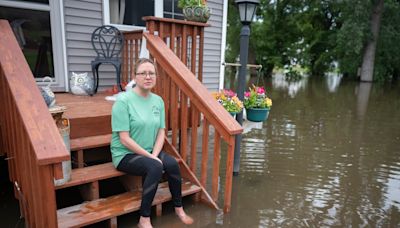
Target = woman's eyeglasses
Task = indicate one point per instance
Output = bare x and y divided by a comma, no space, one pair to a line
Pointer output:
144,74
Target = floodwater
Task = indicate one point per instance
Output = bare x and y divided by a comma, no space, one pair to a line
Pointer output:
328,156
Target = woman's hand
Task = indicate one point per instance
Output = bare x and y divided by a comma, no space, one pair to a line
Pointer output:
156,158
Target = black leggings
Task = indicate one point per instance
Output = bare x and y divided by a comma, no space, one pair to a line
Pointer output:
151,171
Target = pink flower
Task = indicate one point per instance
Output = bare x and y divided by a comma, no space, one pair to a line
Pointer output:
229,93
247,94
260,90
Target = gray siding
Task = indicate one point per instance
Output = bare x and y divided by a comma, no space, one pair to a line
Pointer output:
81,17
212,46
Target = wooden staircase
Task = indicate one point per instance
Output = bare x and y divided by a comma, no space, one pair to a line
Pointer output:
87,177
35,150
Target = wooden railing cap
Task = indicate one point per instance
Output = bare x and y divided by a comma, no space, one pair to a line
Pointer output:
176,21
134,32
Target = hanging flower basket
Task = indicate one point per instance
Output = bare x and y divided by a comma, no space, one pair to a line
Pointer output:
229,100
257,114
257,104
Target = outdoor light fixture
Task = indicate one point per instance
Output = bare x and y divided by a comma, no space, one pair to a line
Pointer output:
247,9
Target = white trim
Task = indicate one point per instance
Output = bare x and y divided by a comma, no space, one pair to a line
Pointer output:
106,12
127,27
64,48
26,5
159,8
223,45
57,45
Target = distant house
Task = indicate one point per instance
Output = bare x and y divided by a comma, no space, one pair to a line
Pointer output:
55,35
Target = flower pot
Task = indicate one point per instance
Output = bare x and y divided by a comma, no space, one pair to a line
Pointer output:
232,114
257,114
197,13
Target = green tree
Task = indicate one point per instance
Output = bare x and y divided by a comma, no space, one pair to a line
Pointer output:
317,34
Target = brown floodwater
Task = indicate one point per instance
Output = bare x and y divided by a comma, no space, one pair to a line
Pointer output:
328,156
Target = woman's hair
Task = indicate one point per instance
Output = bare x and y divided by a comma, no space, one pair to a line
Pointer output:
142,61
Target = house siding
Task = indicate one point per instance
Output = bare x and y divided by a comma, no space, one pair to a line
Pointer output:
81,19
83,16
212,46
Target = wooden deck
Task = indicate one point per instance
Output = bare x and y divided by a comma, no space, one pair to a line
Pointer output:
84,106
88,115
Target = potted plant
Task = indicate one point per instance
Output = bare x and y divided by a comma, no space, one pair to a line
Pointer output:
195,10
229,100
257,104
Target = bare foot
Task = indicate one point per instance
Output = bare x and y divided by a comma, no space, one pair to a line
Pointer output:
186,219
144,222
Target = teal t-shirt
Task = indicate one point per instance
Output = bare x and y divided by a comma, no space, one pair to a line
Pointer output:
141,116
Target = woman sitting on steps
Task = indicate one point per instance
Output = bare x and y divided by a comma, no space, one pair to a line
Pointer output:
138,132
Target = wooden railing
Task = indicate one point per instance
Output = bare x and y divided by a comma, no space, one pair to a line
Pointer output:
30,138
186,100
184,38
130,53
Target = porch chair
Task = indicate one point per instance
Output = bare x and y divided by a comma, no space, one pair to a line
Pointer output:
107,42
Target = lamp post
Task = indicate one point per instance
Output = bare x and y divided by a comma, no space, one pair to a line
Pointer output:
247,9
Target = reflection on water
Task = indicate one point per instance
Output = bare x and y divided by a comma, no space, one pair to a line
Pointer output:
333,81
292,87
363,90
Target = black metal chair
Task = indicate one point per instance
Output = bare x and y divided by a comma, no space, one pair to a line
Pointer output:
108,42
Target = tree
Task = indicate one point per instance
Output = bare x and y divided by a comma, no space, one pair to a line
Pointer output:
369,39
368,62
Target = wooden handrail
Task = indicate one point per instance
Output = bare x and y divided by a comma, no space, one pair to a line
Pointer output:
39,124
30,137
200,96
186,99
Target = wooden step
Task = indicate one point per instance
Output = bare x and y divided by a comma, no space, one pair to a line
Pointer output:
90,174
113,206
79,144
90,142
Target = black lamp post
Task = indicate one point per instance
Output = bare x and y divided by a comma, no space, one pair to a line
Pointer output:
247,9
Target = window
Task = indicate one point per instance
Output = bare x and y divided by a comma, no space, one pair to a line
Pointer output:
127,14
37,27
171,9
32,30
130,12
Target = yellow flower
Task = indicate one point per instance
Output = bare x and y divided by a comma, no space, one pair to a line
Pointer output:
237,101
223,97
228,100
215,95
268,102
